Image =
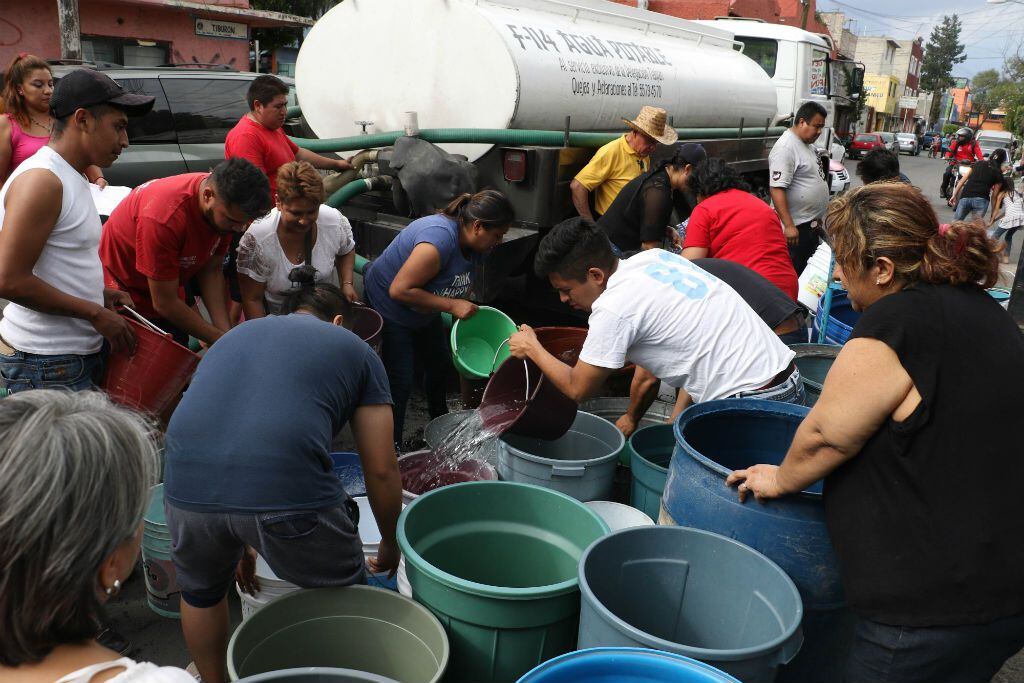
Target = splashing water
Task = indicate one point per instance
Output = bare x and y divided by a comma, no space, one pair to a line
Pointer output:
462,456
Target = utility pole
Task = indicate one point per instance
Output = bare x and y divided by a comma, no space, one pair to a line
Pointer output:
70,29
807,10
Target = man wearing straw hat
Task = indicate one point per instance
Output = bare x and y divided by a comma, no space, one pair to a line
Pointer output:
60,314
620,161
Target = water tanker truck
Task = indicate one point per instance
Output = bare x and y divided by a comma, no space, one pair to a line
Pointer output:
522,93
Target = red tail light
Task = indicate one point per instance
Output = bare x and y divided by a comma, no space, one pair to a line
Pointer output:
513,165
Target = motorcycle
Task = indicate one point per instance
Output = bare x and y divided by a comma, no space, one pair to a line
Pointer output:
958,172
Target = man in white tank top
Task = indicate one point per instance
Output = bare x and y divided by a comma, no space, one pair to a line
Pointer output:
658,310
53,331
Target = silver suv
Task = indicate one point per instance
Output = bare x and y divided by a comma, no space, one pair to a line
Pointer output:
194,110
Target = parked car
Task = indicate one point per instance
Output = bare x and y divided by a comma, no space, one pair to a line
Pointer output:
908,143
194,110
838,177
891,143
864,143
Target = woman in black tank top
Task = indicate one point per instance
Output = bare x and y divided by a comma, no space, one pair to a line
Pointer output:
915,436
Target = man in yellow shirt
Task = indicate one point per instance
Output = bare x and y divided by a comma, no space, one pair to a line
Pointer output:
620,161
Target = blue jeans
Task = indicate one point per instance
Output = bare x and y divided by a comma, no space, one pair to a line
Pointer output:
965,206
950,654
790,391
401,347
23,371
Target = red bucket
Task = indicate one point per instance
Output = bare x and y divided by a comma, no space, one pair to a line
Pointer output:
523,401
565,344
153,378
367,324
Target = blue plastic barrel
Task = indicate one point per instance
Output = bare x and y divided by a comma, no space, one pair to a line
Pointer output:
841,318
624,665
717,437
349,469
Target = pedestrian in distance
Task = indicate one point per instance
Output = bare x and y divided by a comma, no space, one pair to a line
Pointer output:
61,317
77,472
799,187
928,542
1009,202
169,230
620,161
975,189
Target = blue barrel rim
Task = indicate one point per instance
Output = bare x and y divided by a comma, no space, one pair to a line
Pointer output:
728,404
634,453
635,651
720,655
483,589
504,447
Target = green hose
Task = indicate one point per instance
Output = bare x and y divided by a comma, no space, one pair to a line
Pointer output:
361,264
502,136
292,112
347,192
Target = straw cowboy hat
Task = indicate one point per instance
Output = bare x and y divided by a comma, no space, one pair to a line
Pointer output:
653,121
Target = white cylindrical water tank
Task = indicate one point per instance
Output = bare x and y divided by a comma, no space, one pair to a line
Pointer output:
520,64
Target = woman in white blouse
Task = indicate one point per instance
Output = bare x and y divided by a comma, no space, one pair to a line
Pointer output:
272,254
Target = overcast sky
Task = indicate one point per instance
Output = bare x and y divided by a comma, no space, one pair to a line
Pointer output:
990,31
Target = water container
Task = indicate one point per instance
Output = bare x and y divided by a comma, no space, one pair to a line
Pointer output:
497,561
566,343
841,318
480,343
520,400
814,362
651,449
162,592
369,534
422,471
618,516
368,325
271,587
713,439
625,665
581,463
354,627
612,409
349,469
438,429
317,674
814,280
691,592
1001,295
151,379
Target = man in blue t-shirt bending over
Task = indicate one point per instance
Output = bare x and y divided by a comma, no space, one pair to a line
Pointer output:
248,468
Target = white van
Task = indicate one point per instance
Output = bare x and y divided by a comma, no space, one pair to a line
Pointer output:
991,140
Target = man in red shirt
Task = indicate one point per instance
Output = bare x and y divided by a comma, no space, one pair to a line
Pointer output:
258,136
169,230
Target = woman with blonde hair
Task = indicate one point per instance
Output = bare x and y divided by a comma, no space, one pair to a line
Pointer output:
26,123
300,242
915,437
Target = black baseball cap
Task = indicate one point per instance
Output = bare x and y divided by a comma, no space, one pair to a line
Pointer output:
86,88
690,152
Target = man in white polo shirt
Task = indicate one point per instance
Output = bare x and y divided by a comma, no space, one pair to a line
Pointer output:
53,330
658,310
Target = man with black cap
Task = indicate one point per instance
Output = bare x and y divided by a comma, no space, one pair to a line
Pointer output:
639,217
60,313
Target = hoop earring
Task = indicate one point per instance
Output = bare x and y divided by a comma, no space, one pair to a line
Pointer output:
113,590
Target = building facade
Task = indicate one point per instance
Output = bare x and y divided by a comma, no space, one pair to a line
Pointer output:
882,94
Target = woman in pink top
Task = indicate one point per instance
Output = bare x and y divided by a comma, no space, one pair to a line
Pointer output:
27,87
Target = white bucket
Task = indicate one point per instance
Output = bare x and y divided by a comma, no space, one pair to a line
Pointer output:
404,587
271,586
618,516
814,280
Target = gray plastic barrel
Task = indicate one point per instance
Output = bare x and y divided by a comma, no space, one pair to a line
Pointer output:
317,674
612,409
814,361
693,593
581,463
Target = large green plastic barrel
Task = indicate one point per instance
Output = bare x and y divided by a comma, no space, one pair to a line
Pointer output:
480,343
354,627
497,563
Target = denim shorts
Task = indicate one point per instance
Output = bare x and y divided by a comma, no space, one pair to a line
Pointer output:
310,548
789,391
22,371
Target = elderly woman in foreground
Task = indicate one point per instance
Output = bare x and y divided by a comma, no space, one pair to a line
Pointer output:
76,472
915,436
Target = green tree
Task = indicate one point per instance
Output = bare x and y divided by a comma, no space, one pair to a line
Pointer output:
273,38
981,87
942,52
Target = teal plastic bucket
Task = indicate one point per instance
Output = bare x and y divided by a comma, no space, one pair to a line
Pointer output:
162,592
651,449
814,361
625,665
497,563
480,343
354,627
612,408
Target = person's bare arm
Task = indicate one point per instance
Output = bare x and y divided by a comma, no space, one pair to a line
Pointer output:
164,294
252,297
955,197
346,267
32,205
996,204
683,401
852,407
319,161
95,176
581,199
578,382
6,147
213,291
372,426
692,253
422,266
642,392
781,205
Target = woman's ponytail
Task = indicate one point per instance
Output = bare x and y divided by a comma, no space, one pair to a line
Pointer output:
961,253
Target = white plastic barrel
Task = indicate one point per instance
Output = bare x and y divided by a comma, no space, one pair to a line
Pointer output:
814,280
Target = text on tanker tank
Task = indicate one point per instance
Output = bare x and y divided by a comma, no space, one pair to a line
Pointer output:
530,37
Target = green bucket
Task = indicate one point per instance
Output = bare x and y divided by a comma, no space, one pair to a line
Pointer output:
353,627
497,562
162,592
814,361
651,451
480,343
